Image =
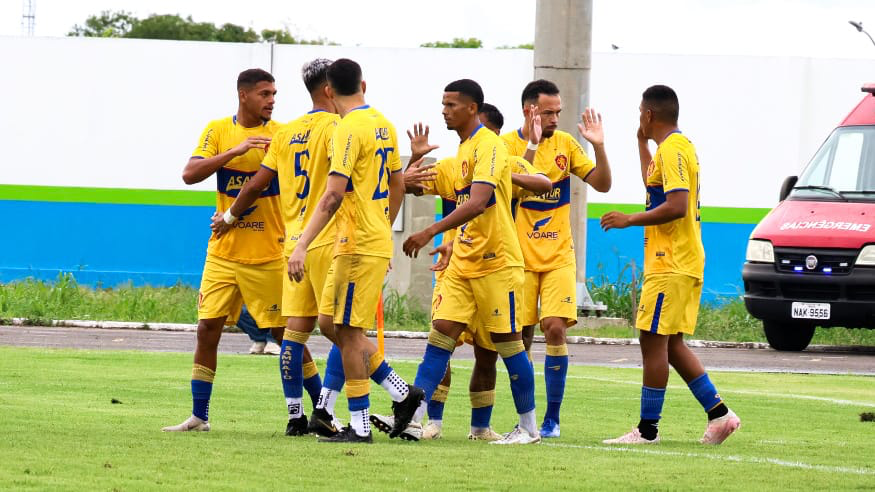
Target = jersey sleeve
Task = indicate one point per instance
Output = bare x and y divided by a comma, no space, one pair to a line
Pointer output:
675,169
490,157
345,150
208,145
271,157
581,164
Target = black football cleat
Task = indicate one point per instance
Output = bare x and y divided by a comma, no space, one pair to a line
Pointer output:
322,423
297,426
403,410
348,435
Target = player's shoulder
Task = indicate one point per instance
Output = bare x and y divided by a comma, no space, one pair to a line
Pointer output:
565,139
513,136
676,143
222,123
273,125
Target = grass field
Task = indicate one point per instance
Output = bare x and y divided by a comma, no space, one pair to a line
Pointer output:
60,431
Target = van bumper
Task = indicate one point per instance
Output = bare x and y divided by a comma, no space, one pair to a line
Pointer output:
769,295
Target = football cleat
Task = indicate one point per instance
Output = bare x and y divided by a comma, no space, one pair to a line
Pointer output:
631,437
257,348
431,431
486,434
550,428
385,423
348,435
297,426
720,428
518,436
191,424
403,410
271,348
323,423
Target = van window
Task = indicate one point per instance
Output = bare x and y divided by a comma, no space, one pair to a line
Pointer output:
845,163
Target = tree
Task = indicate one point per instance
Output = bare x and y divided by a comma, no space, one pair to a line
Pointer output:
524,46
106,25
455,43
283,36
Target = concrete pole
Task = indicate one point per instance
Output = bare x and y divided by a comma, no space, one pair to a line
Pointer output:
563,54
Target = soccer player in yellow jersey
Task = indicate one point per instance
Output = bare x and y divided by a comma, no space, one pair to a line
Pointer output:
543,224
674,264
246,264
486,265
365,188
299,159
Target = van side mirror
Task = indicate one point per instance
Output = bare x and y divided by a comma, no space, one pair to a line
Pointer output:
787,187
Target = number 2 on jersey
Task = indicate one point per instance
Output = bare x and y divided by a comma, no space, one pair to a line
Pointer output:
383,154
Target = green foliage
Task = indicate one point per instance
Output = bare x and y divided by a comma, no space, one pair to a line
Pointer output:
455,43
617,294
283,36
524,46
402,312
107,24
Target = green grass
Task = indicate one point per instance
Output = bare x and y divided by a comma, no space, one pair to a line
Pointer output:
60,431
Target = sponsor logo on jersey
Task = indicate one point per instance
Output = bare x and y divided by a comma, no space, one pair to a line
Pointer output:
381,133
537,233
236,182
489,256
651,168
300,138
561,162
464,169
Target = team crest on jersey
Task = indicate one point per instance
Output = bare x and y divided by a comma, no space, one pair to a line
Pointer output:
561,162
650,168
464,169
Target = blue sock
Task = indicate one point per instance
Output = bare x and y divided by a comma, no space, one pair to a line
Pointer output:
522,381
555,371
291,357
313,385
334,376
704,391
382,372
480,417
435,410
200,397
432,368
651,402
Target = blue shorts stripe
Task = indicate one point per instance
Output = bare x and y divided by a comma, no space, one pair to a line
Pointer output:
512,313
347,308
657,310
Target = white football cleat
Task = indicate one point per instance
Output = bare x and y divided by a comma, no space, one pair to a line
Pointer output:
257,348
271,348
631,437
192,424
486,434
519,436
431,431
720,428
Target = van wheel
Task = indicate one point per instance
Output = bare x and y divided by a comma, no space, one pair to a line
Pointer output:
788,337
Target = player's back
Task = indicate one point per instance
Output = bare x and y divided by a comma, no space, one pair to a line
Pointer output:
299,154
676,246
365,150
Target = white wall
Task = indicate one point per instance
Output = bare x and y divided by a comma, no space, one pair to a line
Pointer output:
126,113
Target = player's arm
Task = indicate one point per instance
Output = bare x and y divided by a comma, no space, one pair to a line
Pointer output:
674,207
644,155
592,130
200,168
535,183
476,205
418,178
396,194
325,210
247,196
533,125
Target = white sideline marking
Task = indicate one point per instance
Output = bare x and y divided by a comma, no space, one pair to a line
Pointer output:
730,458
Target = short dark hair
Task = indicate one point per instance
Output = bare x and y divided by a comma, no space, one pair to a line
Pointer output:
248,78
662,101
492,114
537,87
468,88
345,76
314,73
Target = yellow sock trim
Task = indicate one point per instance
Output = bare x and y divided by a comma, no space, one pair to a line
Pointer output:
296,336
357,387
529,355
202,373
375,361
440,340
509,349
440,394
480,399
310,370
557,350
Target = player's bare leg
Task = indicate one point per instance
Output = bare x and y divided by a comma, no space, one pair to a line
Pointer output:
528,338
555,372
209,332
482,391
721,420
522,386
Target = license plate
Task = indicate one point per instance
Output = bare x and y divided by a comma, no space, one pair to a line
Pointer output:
810,310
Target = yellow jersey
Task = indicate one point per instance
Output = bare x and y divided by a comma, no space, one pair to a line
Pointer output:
674,247
299,155
365,150
543,222
257,236
488,242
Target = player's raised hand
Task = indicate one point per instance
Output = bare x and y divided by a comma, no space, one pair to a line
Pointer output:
419,145
445,251
296,264
219,226
591,129
416,242
641,136
251,143
615,220
416,175
533,123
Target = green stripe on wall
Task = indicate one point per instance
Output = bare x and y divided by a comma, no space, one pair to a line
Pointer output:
133,196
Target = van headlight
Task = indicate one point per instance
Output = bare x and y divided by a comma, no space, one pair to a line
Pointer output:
867,256
761,251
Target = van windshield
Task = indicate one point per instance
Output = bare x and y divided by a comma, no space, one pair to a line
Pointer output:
843,169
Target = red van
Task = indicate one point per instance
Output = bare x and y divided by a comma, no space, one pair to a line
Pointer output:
811,261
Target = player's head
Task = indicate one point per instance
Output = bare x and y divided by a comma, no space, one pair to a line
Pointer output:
256,92
315,75
462,101
545,95
659,108
491,117
345,78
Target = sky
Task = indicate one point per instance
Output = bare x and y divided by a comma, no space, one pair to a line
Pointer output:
816,28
